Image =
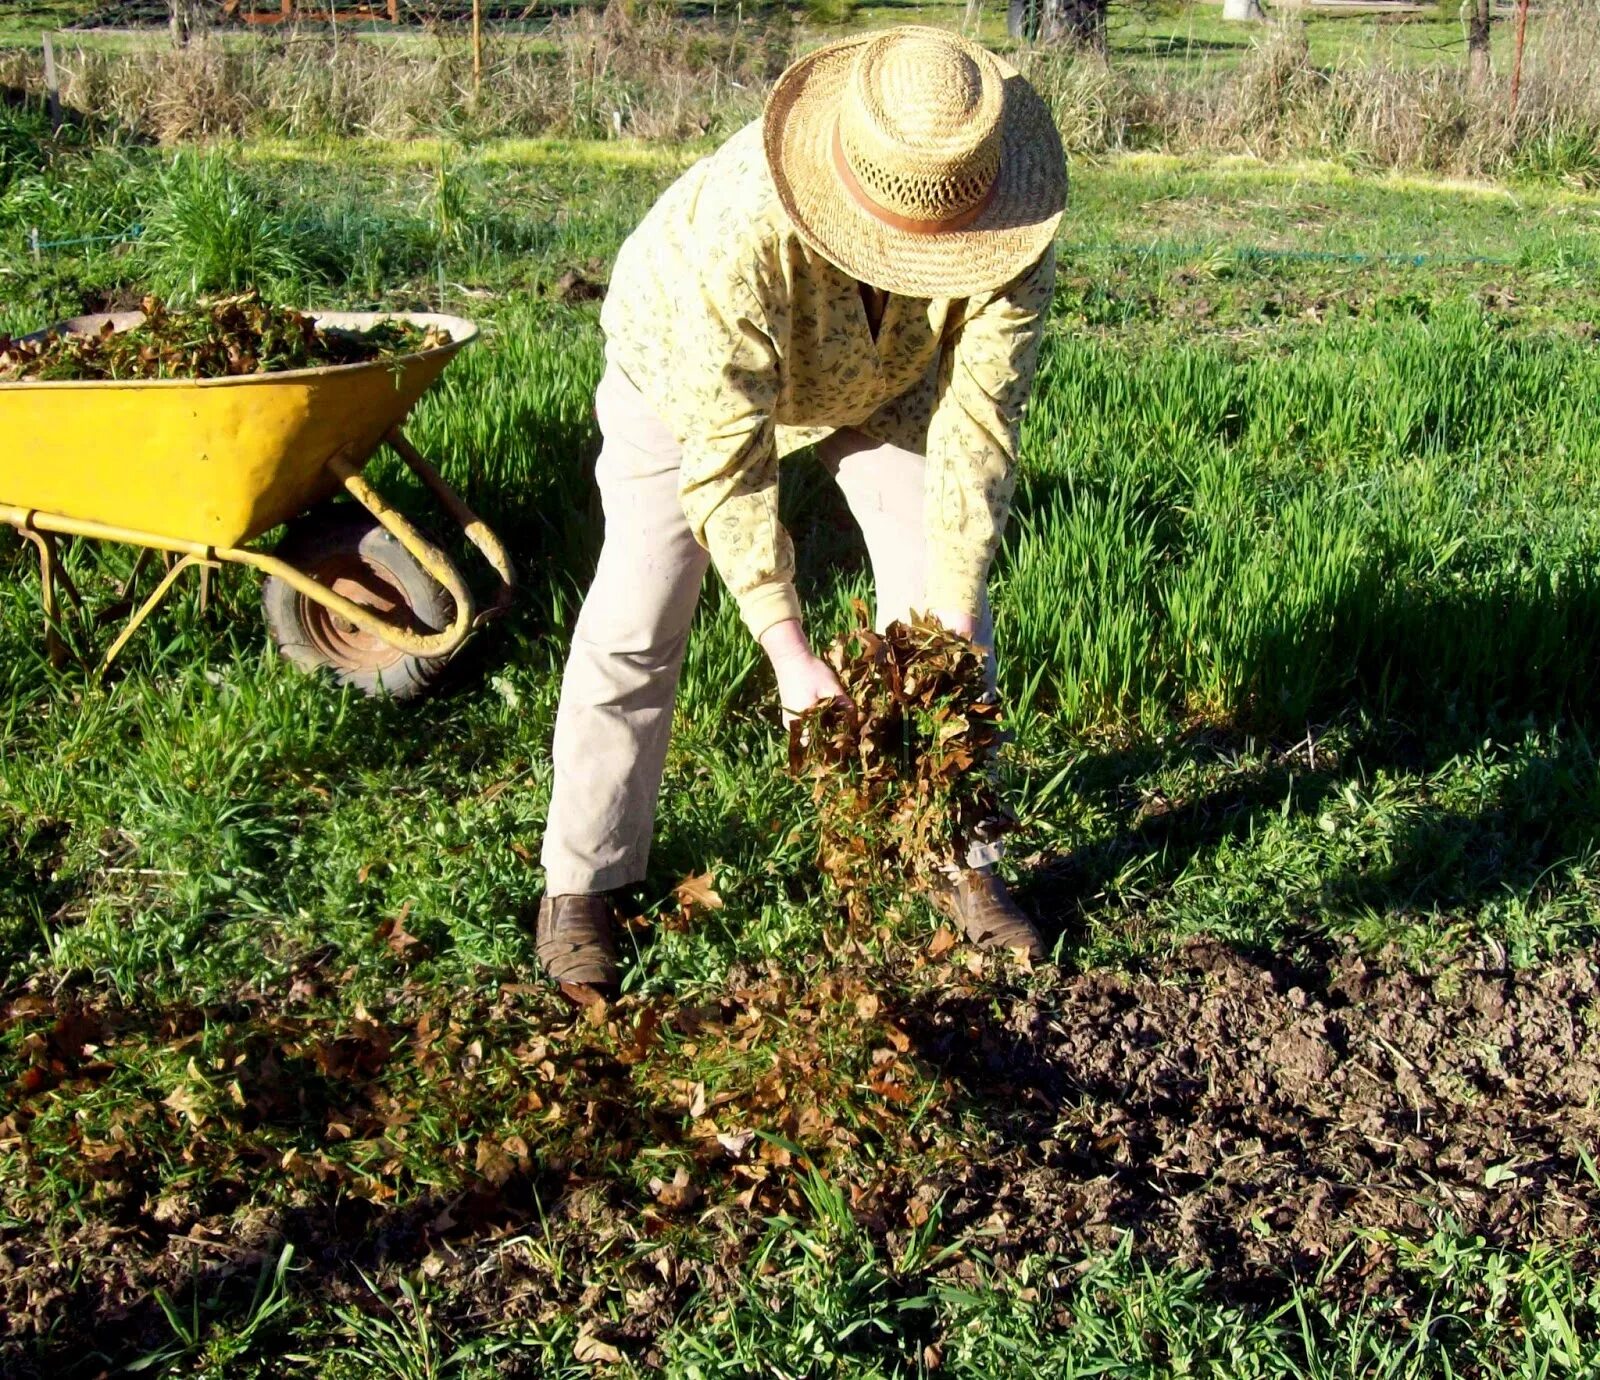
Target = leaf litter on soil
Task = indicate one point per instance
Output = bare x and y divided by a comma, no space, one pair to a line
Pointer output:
426,1125
226,338
903,775
1226,1113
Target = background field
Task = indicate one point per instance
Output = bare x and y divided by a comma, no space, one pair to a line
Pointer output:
1368,89
1298,620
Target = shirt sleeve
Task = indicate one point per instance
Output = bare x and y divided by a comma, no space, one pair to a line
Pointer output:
728,481
985,374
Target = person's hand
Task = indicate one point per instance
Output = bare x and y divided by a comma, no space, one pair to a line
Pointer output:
804,682
804,678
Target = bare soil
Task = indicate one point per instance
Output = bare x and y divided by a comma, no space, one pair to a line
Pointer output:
1250,1118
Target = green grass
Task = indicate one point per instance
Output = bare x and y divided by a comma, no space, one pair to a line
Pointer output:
1298,623
28,20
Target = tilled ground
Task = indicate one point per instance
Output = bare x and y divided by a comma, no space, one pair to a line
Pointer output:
1249,1118
1227,1112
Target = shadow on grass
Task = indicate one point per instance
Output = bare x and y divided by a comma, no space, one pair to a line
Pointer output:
1176,46
1438,856
1436,671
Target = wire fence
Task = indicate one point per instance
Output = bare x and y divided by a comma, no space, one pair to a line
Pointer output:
37,246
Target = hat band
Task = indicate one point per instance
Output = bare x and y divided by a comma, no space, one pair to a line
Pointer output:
878,211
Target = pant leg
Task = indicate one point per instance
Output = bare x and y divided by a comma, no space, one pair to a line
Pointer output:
621,679
884,487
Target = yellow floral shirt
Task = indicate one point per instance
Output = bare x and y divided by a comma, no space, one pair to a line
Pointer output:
748,344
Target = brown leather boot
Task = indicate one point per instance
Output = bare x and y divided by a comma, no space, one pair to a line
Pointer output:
576,944
978,901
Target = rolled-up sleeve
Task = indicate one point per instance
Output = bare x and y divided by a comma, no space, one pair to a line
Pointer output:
728,482
985,374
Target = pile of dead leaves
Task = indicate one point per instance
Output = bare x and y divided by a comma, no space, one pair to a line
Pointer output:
226,338
903,774
419,1127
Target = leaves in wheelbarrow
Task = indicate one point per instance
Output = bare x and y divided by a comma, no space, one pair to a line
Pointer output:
903,774
226,338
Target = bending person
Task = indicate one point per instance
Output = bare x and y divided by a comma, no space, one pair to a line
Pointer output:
867,268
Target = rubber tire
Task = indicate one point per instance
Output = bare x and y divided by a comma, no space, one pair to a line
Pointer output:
337,535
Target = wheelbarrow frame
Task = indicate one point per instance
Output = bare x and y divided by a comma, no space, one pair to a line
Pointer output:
340,470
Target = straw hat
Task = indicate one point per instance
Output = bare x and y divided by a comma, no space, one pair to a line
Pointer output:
916,161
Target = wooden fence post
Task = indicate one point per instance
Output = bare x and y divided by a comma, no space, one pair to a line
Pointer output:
477,46
52,87
1516,60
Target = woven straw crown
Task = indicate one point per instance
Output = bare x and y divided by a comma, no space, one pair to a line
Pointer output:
919,126
916,161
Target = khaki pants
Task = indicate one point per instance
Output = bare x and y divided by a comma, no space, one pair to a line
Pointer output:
627,649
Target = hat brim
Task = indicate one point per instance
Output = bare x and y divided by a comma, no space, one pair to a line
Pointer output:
1007,237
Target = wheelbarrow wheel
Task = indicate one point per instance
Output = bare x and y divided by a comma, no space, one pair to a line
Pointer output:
345,548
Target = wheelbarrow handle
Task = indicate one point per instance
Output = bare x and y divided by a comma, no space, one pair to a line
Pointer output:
477,531
435,562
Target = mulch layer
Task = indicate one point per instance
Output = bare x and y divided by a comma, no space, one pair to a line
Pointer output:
1228,1112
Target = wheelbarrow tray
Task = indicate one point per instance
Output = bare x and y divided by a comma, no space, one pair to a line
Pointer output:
214,462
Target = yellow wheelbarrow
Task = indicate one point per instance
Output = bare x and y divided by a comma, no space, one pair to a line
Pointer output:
197,469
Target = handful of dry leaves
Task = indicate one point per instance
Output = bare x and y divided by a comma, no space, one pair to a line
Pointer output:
220,339
903,779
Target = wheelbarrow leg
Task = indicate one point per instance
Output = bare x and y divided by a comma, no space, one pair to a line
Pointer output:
44,543
64,581
139,562
149,606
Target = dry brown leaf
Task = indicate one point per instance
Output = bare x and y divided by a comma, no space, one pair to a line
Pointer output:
189,1100
735,1142
590,1350
893,1091
492,1162
400,941
581,995
677,1193
698,893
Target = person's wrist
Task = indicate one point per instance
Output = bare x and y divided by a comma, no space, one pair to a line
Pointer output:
786,642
